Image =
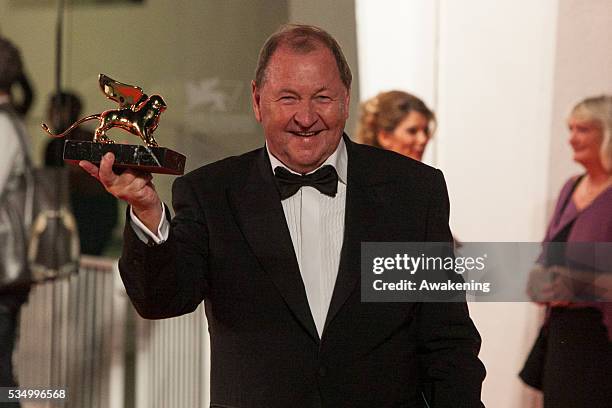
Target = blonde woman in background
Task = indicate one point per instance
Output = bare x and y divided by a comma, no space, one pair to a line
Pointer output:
396,121
571,362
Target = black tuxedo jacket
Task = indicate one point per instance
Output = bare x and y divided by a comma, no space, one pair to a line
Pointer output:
230,247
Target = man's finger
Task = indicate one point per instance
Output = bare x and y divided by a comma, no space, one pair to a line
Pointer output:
107,177
90,168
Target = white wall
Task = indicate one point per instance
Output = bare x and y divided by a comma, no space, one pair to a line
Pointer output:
509,73
487,69
583,68
397,46
398,49
502,77
495,98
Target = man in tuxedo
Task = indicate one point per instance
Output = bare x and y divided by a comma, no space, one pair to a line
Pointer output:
270,241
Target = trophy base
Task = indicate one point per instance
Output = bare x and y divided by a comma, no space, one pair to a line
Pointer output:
137,157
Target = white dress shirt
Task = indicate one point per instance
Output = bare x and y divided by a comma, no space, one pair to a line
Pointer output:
316,226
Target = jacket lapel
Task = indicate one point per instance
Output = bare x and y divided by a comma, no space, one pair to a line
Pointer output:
259,213
563,222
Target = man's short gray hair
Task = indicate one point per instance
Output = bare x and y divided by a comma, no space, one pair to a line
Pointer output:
302,39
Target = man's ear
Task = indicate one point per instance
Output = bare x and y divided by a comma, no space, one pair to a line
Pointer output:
347,104
255,100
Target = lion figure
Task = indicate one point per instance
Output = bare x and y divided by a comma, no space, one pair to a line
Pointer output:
138,114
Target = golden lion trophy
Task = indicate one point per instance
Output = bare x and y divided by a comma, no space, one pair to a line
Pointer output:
139,115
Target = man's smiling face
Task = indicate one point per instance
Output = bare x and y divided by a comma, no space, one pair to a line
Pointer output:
302,105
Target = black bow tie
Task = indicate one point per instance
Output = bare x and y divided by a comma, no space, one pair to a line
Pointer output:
325,180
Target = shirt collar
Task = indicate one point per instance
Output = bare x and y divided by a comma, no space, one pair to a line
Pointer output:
338,159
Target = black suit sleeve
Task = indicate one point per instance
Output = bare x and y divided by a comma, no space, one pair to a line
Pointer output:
449,343
168,279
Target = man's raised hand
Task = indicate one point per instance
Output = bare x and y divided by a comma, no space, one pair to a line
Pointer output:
135,188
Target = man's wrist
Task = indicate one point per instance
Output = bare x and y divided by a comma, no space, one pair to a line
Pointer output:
151,217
